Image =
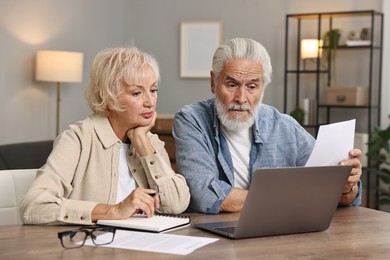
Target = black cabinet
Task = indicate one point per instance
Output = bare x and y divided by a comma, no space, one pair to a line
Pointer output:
311,80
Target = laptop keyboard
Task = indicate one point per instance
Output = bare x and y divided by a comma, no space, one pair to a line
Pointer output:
229,230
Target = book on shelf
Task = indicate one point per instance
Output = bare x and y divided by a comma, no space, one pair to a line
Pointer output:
158,223
358,43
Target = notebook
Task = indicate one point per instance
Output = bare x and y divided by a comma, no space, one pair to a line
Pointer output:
157,224
286,201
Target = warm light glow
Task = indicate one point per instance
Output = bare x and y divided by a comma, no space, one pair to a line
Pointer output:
310,48
33,22
59,66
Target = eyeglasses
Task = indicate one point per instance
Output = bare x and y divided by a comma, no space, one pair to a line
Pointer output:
76,238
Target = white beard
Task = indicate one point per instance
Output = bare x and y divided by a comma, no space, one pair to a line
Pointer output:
234,124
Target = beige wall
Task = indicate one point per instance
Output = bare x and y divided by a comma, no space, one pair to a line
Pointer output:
28,107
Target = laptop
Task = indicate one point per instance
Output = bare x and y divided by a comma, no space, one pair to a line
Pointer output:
287,200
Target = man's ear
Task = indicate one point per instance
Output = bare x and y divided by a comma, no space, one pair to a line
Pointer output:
212,82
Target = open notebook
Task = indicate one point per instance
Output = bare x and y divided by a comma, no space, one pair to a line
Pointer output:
158,223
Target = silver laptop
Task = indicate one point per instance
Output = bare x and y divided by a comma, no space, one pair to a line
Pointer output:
287,201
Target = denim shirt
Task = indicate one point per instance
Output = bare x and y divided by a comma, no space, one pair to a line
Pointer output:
203,157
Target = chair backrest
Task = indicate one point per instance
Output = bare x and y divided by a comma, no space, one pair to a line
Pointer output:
34,155
13,185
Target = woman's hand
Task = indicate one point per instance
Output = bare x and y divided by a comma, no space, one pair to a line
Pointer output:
139,200
141,130
140,141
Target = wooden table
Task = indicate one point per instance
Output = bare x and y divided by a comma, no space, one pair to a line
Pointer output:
355,233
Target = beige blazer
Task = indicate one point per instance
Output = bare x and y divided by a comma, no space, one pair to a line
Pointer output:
82,171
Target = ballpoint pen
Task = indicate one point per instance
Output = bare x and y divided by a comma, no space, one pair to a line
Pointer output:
155,193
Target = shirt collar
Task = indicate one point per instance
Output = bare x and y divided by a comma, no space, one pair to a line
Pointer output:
104,131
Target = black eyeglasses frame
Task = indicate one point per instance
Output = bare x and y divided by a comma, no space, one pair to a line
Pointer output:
89,231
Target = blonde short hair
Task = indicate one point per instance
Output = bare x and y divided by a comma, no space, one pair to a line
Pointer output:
111,70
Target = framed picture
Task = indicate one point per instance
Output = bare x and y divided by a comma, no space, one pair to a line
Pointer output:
198,42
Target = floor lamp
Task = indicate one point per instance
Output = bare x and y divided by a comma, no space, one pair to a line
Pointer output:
59,66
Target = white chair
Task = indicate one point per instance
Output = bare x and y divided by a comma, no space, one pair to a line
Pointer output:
13,185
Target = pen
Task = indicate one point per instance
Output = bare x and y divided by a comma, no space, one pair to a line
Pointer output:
155,193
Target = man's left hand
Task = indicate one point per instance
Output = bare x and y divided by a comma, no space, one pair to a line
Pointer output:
354,177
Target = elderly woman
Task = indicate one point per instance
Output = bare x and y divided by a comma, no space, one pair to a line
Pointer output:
109,165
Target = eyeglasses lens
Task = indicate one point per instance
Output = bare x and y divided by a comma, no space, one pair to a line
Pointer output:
73,239
102,237
77,238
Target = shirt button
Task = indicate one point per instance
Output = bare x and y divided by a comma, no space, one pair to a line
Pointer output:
151,162
131,154
82,218
133,170
157,176
66,217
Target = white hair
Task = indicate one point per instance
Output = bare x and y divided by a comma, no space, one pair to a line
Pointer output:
242,48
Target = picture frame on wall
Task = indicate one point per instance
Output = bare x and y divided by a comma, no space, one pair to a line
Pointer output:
198,42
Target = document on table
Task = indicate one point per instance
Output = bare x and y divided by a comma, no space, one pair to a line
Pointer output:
157,243
334,141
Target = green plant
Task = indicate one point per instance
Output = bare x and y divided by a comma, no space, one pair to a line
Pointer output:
298,113
379,153
331,40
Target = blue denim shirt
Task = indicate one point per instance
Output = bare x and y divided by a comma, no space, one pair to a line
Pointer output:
203,157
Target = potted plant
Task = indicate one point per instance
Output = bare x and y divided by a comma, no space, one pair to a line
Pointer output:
299,114
331,40
379,153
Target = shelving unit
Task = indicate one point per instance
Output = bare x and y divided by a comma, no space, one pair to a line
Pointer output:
355,65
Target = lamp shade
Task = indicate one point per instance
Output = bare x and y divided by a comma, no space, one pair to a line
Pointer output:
59,66
311,48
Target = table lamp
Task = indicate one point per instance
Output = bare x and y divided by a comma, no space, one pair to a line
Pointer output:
59,66
310,49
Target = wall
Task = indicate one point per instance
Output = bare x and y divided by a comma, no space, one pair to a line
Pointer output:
28,107
261,20
251,18
386,68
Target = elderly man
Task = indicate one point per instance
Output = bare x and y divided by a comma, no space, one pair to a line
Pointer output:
220,142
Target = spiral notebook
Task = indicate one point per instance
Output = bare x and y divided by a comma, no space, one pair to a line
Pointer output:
158,223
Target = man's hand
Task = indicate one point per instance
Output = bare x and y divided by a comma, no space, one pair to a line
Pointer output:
351,187
234,201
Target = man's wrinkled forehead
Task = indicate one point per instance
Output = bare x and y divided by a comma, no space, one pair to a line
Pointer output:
247,80
242,70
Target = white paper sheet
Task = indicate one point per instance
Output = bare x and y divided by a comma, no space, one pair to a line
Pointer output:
158,243
334,141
